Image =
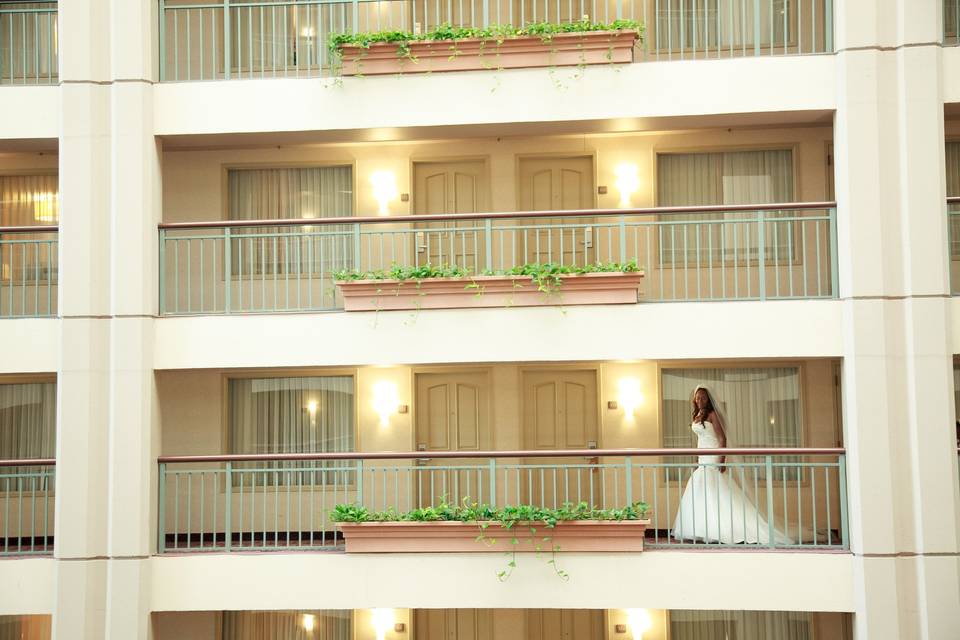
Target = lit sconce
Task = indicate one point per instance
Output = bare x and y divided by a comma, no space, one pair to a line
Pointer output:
312,408
308,622
628,181
382,620
639,621
385,401
308,31
384,189
44,207
629,396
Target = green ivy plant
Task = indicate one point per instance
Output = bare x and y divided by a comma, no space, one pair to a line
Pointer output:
508,517
547,276
494,34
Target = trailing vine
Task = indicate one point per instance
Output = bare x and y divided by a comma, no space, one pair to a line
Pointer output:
510,518
548,277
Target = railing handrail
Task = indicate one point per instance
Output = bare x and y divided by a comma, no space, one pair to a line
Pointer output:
447,217
45,228
540,453
29,462
953,200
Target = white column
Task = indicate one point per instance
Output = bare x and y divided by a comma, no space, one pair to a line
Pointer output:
108,435
897,383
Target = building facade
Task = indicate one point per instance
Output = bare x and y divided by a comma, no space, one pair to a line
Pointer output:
186,390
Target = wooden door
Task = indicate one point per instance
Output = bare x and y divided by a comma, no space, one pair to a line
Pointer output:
553,184
559,412
453,624
450,187
565,624
452,414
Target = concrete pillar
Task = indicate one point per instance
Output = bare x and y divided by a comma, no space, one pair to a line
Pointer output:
897,382
108,435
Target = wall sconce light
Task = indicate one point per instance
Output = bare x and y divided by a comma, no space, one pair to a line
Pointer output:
384,189
308,622
385,401
628,395
628,181
639,621
382,620
312,408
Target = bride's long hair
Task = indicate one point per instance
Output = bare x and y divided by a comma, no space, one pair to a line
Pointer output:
712,406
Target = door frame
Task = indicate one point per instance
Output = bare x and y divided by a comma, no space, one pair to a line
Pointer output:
415,159
597,370
486,371
559,155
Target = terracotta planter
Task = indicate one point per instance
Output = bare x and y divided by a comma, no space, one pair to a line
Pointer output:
461,537
474,54
490,291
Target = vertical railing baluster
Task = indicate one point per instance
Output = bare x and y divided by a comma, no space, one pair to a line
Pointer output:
162,504
771,535
228,507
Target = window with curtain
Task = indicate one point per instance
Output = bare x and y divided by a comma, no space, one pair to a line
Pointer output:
291,193
731,178
28,426
293,415
953,190
28,420
28,201
740,625
323,624
762,406
725,25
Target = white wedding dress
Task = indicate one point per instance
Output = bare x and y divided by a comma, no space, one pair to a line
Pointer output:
714,508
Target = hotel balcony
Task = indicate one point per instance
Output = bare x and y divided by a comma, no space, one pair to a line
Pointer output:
262,231
507,624
257,460
202,40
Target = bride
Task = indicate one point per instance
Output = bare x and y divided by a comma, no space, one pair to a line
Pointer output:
713,507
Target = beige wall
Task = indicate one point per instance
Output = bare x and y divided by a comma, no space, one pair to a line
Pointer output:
193,422
194,180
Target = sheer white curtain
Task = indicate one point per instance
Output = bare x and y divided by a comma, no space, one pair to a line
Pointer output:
28,424
739,625
27,201
291,193
292,415
287,625
736,177
762,405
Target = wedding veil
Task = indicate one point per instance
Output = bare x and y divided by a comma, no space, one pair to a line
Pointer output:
716,409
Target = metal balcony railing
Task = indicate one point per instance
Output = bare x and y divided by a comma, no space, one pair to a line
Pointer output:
27,506
28,271
797,497
750,252
951,22
289,38
28,42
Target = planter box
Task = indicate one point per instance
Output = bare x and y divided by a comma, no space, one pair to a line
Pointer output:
475,54
461,537
491,291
